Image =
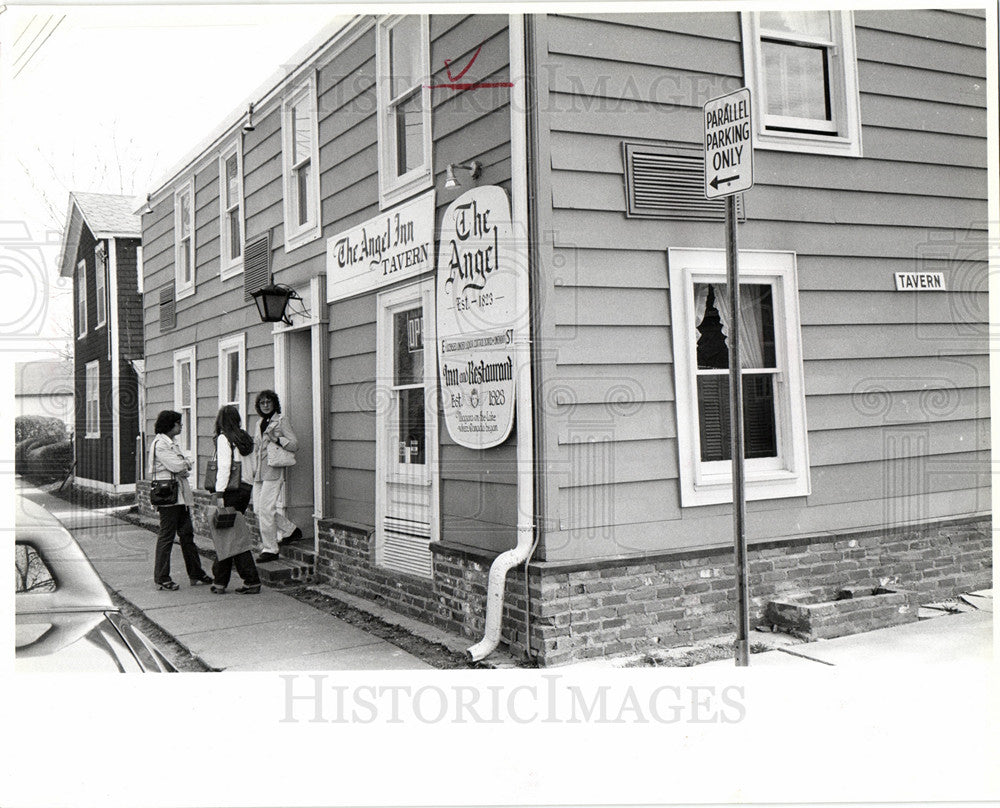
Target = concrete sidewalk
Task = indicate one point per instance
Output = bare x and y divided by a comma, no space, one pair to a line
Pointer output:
948,639
266,632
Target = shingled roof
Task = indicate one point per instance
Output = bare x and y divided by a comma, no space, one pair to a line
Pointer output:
106,216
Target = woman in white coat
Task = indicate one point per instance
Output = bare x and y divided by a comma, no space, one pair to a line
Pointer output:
269,481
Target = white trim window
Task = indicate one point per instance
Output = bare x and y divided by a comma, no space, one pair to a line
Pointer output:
186,399
184,245
92,397
404,107
100,284
81,299
802,70
232,373
231,211
774,417
138,268
300,155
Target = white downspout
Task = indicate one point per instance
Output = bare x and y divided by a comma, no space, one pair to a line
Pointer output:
506,561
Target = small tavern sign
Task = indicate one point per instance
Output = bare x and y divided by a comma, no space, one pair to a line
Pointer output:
477,317
920,282
728,144
395,245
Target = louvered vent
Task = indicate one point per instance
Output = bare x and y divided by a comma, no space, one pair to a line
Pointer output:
256,265
406,546
667,182
168,309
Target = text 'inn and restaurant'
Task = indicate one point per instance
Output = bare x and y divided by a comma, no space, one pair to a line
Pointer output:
506,343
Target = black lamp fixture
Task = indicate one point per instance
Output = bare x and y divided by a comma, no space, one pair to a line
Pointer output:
149,204
248,126
272,302
450,181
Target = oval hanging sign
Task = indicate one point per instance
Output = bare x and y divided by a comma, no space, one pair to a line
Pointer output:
477,314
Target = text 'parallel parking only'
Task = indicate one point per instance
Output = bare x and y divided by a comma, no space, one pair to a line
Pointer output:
728,144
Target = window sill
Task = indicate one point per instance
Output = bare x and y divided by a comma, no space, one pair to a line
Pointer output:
90,436
402,190
780,485
180,294
808,144
232,271
302,237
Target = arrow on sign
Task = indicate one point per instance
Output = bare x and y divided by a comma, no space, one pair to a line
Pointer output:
716,181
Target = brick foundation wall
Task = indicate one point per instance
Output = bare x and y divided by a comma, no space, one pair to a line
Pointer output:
628,606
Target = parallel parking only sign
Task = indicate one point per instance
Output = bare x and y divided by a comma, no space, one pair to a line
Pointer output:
728,144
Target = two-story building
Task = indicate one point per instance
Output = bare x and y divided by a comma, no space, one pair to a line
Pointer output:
102,252
512,322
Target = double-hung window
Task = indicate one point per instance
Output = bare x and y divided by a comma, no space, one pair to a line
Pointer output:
231,211
232,373
404,107
92,397
774,427
300,151
184,239
802,72
185,399
81,299
100,298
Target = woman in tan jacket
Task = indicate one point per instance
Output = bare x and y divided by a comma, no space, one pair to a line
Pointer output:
269,481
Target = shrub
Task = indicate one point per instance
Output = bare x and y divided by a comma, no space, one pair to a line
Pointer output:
39,426
50,461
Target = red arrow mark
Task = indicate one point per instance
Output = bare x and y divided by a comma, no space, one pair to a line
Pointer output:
447,64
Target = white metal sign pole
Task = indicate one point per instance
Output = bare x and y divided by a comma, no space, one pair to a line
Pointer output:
736,437
728,170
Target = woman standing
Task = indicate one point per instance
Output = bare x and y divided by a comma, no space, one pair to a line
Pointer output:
232,443
167,460
269,481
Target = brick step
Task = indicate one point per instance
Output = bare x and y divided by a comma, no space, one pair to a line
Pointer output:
284,571
300,551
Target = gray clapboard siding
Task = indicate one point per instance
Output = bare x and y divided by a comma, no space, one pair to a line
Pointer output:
857,274
713,25
602,345
608,268
596,38
924,147
864,308
355,454
872,406
600,384
618,422
352,341
607,306
891,340
901,49
625,119
838,446
625,462
929,26
906,82
493,504
860,375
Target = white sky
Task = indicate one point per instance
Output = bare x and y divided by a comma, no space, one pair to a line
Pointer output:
108,101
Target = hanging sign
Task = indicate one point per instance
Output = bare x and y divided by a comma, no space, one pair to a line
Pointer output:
393,246
477,315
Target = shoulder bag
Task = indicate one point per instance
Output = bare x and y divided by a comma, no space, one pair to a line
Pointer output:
162,493
212,472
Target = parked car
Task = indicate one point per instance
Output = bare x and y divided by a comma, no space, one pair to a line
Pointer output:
64,618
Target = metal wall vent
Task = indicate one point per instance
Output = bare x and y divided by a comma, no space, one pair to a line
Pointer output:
256,265
668,182
168,309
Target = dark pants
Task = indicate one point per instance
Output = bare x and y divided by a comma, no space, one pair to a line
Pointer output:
176,519
245,566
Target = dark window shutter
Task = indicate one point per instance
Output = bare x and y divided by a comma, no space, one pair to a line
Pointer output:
668,182
168,309
256,265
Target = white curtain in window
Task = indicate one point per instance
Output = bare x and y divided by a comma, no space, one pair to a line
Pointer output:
752,328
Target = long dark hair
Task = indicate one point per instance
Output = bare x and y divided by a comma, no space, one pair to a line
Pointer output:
267,394
229,423
165,421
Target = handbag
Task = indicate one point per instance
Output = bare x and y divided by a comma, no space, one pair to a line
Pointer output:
279,457
212,472
223,518
162,493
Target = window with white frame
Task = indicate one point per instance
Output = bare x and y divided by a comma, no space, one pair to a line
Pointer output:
184,267
300,153
138,267
404,107
231,210
100,272
186,399
81,299
92,397
232,373
803,75
774,421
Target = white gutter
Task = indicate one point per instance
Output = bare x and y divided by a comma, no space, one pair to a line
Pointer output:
522,351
